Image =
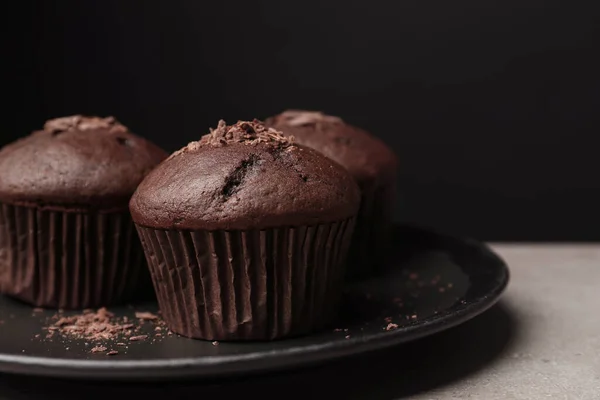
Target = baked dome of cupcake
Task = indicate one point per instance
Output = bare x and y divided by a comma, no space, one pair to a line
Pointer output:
76,162
367,158
242,177
66,235
246,235
373,165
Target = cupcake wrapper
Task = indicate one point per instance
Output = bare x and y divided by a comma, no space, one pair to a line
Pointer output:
68,260
371,241
248,285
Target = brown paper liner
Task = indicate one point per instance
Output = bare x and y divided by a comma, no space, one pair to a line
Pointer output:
372,236
248,285
57,259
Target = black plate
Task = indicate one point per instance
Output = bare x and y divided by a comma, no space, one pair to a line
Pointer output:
435,283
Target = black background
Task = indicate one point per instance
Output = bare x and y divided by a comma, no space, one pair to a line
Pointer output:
492,106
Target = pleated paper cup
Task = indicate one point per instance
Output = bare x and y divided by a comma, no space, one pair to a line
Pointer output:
248,285
69,260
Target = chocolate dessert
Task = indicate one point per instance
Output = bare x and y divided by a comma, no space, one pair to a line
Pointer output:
372,164
66,236
246,234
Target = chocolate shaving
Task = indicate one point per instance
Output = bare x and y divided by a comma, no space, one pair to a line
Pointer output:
99,325
302,118
138,338
391,327
146,316
83,123
246,132
98,349
112,353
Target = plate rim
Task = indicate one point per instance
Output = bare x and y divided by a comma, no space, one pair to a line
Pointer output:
257,362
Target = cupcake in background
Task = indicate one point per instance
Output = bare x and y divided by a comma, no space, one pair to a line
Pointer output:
246,234
66,235
373,165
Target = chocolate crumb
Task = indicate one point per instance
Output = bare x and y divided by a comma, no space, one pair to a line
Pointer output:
414,316
347,336
121,344
138,338
215,343
302,117
246,132
38,335
98,349
158,329
92,325
82,123
391,327
157,335
146,316
112,353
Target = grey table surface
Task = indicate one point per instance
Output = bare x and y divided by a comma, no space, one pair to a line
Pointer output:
542,341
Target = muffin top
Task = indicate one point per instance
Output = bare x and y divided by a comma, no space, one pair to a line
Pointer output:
76,163
367,158
244,176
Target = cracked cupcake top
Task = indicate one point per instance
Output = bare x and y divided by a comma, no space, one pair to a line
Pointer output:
244,176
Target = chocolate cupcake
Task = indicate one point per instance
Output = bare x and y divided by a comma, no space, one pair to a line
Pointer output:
372,164
246,235
66,235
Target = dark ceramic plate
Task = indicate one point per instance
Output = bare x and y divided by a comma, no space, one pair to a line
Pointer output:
435,282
